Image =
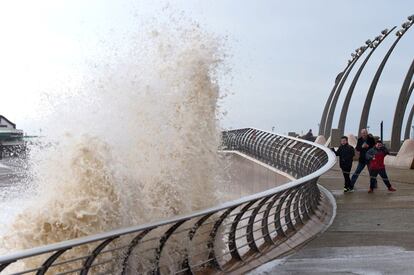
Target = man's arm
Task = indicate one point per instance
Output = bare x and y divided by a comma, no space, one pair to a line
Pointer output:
370,154
359,145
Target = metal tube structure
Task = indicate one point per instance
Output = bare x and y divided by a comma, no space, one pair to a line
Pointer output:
347,101
328,102
368,100
331,112
409,121
402,103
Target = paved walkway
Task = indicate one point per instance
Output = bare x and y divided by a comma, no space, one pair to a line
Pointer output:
371,234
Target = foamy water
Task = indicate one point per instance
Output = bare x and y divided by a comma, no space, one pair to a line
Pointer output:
134,141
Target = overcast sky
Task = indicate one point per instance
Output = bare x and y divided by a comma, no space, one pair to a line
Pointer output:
285,55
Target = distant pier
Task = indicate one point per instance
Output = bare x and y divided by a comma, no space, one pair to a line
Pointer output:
11,138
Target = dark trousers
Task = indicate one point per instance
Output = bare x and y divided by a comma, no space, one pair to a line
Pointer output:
374,174
358,170
346,171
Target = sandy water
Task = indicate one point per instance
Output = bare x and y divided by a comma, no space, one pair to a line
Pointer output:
133,140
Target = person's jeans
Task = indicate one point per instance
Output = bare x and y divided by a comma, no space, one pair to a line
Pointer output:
358,170
346,171
374,174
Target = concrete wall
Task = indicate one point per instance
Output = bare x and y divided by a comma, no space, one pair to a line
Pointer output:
249,176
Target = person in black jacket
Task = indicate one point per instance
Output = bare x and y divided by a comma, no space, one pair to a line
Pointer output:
346,155
365,142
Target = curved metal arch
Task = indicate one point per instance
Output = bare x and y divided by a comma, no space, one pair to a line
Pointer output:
400,110
4,265
331,112
347,101
186,262
234,252
48,263
265,221
368,100
135,241
410,117
288,213
278,215
409,122
297,210
95,253
250,227
329,100
212,237
304,208
161,246
410,92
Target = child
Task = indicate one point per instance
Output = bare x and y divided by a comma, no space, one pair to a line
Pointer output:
376,156
346,155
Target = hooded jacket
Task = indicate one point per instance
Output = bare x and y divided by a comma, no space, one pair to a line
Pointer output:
346,155
376,158
370,141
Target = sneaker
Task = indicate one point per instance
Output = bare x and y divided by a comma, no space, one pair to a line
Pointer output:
348,190
371,190
391,189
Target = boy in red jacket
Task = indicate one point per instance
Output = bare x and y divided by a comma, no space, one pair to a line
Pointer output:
376,156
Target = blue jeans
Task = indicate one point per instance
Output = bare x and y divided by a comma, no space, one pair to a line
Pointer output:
374,174
358,170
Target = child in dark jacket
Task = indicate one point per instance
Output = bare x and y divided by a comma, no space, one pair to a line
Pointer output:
346,155
376,156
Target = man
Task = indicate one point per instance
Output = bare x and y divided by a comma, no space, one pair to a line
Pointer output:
376,157
365,142
346,155
309,136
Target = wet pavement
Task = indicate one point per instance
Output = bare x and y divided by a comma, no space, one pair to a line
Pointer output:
14,189
371,234
11,171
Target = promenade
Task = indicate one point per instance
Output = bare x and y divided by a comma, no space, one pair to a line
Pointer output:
371,234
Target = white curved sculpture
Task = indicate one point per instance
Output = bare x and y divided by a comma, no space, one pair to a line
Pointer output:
352,140
404,158
320,140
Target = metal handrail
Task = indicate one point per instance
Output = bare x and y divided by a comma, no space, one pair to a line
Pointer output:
296,203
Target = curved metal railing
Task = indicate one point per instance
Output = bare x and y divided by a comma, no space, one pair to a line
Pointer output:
230,237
